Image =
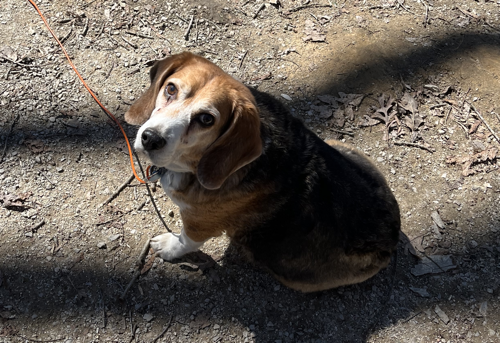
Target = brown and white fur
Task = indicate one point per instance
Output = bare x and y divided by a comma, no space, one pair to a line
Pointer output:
316,215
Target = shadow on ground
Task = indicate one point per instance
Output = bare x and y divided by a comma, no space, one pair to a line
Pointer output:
238,293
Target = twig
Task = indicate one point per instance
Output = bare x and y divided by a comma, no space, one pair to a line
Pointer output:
184,20
132,327
18,63
47,178
37,226
86,28
100,32
65,20
186,35
448,114
138,34
67,36
485,123
463,128
426,18
404,7
243,58
416,145
141,205
196,26
258,10
298,8
164,330
342,132
7,137
110,70
88,3
6,77
286,60
130,43
36,340
121,188
137,272
498,117
468,13
411,317
437,105
104,319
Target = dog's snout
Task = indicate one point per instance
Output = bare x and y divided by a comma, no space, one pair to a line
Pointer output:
151,140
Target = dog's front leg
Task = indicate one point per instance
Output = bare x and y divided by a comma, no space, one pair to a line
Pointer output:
170,246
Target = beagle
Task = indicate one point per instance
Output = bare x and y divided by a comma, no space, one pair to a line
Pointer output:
317,215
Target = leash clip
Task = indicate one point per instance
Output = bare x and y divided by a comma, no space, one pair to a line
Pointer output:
153,173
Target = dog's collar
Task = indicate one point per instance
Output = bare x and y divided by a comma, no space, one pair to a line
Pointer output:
153,173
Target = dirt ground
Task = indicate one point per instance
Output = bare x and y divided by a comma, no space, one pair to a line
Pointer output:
412,83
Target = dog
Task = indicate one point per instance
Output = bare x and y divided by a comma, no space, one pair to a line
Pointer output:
316,215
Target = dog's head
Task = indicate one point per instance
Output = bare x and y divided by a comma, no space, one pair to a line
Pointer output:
196,118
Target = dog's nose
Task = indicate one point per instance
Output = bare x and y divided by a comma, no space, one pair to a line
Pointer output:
151,140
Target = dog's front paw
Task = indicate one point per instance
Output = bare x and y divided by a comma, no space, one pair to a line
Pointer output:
170,246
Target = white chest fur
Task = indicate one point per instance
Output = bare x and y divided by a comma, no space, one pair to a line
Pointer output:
172,182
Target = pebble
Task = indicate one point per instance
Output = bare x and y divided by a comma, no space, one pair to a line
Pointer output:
483,308
114,237
438,264
101,245
437,219
441,315
148,317
421,291
286,97
473,244
52,119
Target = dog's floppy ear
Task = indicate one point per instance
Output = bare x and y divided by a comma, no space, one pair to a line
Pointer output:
239,145
141,110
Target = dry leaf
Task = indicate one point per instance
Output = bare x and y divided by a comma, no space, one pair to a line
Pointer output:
325,112
409,103
313,34
149,263
489,154
368,121
15,202
36,146
328,99
474,127
9,53
338,118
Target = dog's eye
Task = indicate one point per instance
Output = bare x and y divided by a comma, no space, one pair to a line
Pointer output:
206,119
171,89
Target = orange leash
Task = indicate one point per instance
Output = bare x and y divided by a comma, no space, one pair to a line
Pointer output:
90,91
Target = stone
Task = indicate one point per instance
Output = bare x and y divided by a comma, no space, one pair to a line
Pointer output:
433,265
444,318
286,97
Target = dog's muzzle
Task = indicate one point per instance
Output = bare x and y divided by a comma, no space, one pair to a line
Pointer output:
151,140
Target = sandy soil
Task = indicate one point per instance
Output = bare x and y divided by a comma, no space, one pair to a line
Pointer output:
407,82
